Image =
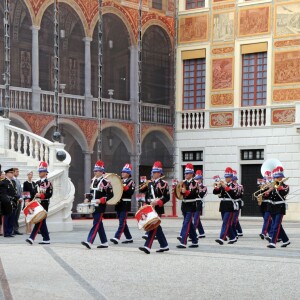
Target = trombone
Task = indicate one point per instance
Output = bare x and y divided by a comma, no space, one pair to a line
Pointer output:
144,184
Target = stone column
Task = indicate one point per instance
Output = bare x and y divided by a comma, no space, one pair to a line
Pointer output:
36,90
87,170
87,76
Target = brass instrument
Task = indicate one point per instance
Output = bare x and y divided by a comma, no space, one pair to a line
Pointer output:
145,184
277,184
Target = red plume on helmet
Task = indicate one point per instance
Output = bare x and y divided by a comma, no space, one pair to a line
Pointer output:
99,166
43,167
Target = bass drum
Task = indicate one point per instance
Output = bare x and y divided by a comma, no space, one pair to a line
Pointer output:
117,185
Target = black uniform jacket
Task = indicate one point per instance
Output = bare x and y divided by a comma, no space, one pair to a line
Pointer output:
192,192
228,195
128,191
45,188
160,188
102,188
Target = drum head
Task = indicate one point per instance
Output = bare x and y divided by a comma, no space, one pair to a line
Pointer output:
177,191
117,186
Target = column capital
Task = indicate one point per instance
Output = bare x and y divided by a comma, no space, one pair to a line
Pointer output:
35,27
87,39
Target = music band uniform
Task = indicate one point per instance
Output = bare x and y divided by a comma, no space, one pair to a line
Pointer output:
202,191
102,191
44,187
239,195
277,204
227,207
124,206
157,189
188,208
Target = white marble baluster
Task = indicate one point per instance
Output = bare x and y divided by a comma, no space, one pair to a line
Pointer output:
19,140
30,151
46,154
25,144
12,141
36,150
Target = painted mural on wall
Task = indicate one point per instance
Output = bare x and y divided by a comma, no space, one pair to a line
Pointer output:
222,99
193,29
287,67
224,119
224,50
287,43
287,19
282,95
223,27
283,116
222,74
254,21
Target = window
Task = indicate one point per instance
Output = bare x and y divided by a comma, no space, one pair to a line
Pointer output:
157,4
190,4
194,83
254,79
256,154
192,156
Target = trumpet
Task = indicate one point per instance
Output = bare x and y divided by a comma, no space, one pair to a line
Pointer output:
145,184
277,184
218,183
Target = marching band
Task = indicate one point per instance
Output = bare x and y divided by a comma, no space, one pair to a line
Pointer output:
271,198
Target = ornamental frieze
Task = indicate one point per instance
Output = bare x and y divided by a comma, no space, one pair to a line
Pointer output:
287,43
282,95
221,119
222,99
283,116
222,50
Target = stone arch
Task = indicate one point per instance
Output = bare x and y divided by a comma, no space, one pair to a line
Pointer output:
72,3
18,121
159,23
72,127
31,11
118,13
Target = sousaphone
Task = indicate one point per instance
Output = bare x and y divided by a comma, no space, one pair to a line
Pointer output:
117,186
269,165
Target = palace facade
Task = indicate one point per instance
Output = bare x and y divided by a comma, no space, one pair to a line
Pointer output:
238,92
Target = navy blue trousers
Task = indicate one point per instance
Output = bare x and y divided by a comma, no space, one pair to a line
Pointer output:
97,227
42,228
236,223
267,225
158,232
227,229
277,230
123,227
8,224
188,229
197,222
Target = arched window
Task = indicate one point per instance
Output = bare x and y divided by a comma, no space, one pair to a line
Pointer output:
156,66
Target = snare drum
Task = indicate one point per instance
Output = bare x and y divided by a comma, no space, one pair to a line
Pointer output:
34,212
85,208
147,218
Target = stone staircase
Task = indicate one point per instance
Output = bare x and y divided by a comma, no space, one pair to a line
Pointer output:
24,150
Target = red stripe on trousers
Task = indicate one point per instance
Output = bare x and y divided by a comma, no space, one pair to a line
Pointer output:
123,228
40,225
96,230
278,230
152,239
267,226
227,226
187,231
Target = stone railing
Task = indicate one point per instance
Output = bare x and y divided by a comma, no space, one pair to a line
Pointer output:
67,104
243,117
80,106
20,98
29,148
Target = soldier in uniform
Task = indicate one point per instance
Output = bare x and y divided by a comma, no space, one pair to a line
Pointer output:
43,191
239,195
265,208
124,206
200,204
102,190
156,194
277,194
227,192
190,192
8,198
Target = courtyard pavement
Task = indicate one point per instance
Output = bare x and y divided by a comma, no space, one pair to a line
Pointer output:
67,270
